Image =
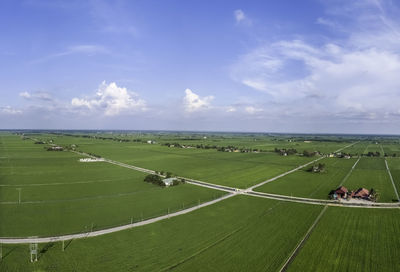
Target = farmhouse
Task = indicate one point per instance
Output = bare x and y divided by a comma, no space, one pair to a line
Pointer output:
169,181
361,193
340,192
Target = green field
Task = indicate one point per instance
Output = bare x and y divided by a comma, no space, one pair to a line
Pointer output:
60,195
352,239
394,166
44,193
311,185
239,234
370,173
232,169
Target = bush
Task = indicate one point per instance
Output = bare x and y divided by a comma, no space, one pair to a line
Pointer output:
155,179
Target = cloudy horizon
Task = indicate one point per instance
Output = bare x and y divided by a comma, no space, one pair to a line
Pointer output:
259,66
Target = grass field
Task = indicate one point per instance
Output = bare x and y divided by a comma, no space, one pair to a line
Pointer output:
371,173
232,169
239,234
352,240
394,166
61,195
311,185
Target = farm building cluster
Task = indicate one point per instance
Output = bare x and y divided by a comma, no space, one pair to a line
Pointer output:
361,193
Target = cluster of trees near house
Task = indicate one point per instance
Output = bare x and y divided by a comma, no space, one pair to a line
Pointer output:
285,151
317,168
229,148
156,179
307,153
373,154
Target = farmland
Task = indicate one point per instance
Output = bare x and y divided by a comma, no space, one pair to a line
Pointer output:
371,173
303,183
234,235
353,240
62,195
232,169
51,193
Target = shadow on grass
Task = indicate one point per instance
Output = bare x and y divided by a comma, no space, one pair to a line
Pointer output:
45,249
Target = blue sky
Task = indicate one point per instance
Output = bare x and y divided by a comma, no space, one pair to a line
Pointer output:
274,66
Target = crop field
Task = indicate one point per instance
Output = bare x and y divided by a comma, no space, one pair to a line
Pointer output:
391,149
357,149
51,193
371,173
59,194
352,240
303,183
232,169
394,166
239,234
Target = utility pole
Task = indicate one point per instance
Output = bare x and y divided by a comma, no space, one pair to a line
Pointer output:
19,195
63,247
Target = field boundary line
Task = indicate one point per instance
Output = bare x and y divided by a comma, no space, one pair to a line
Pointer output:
349,173
302,241
8,240
391,179
283,174
202,250
295,169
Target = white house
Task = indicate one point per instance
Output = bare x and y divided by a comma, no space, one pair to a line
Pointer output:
168,181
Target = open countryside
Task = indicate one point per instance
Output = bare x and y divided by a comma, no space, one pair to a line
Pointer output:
91,188
204,136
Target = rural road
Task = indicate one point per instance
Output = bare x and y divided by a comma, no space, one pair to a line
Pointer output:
110,230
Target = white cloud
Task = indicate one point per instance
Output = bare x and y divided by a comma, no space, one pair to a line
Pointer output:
239,15
193,102
44,96
326,22
252,110
10,111
110,100
25,95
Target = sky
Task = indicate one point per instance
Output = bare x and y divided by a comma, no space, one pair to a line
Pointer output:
309,66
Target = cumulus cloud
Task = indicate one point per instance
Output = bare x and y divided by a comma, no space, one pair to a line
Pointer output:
110,100
193,102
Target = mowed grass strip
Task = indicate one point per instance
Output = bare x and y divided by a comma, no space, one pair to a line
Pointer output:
303,183
371,173
238,234
352,239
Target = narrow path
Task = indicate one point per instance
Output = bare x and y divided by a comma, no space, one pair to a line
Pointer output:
349,173
391,179
302,241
